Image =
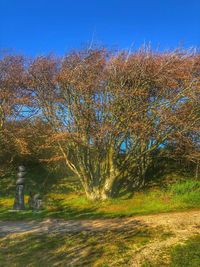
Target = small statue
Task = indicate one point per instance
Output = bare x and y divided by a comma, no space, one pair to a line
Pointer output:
19,195
35,201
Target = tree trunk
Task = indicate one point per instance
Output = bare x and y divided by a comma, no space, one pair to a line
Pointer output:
107,189
98,192
92,192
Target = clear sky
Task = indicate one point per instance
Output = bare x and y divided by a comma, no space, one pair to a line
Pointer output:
41,26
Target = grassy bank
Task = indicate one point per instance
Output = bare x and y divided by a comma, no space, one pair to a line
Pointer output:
177,197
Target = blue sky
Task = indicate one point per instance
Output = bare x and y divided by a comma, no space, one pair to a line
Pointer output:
37,27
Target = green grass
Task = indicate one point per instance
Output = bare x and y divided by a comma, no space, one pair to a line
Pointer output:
80,249
185,187
71,205
187,255
93,248
181,255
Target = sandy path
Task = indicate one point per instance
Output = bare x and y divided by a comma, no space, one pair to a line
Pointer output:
176,221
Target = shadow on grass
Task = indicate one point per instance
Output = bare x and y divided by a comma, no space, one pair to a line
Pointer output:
67,212
86,248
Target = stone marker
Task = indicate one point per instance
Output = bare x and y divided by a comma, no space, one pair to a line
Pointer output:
19,195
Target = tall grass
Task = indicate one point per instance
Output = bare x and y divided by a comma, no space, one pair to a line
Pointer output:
185,187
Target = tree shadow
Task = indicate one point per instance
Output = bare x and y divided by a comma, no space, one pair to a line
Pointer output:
85,248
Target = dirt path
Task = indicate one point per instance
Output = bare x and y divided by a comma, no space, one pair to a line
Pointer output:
180,225
175,222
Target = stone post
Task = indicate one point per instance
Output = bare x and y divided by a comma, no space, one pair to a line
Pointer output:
19,195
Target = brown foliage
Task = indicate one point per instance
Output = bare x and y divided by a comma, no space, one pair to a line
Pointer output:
107,113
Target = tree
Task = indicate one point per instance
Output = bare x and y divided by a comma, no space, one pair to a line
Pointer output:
16,109
11,99
110,112
185,141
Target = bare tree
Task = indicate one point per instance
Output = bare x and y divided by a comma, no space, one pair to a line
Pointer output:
109,113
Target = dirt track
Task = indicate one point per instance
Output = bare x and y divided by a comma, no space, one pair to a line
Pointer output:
176,221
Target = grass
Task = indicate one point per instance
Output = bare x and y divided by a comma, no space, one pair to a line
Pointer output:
185,187
181,255
71,205
93,248
80,249
187,255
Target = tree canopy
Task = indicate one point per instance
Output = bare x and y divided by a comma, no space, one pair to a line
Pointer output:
104,114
